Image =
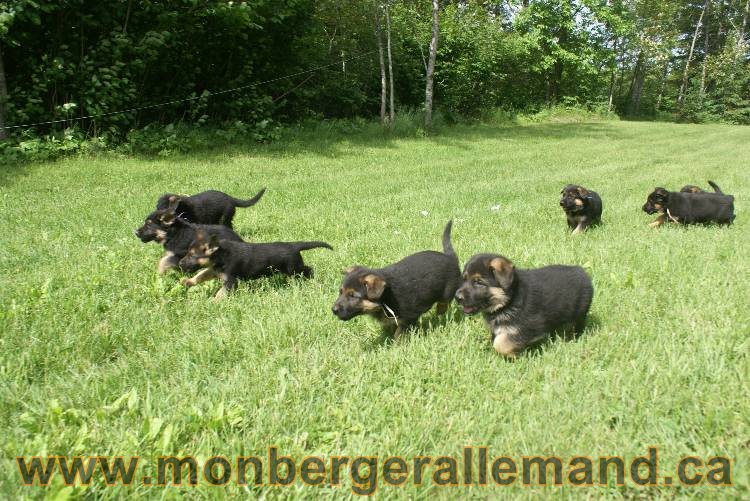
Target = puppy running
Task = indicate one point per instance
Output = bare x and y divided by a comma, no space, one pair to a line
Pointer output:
176,235
691,188
522,307
399,294
207,207
690,208
232,261
583,207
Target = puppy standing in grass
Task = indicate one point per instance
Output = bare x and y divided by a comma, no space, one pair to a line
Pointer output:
176,234
522,307
399,294
689,207
231,261
207,207
583,207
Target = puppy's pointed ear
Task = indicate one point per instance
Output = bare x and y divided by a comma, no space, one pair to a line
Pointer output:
213,245
350,269
661,191
503,271
583,192
169,216
375,286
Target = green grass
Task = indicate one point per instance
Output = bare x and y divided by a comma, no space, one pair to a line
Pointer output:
85,319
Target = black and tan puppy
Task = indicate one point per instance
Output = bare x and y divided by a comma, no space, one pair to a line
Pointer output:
231,261
176,234
207,207
689,208
583,207
691,188
522,307
399,294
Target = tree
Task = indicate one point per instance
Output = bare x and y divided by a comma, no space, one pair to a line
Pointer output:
686,72
383,87
428,92
3,98
392,112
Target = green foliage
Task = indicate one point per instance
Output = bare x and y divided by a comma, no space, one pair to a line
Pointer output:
68,59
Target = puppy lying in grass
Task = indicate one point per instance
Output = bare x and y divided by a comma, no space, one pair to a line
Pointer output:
231,260
583,207
176,234
690,208
399,294
691,188
522,307
207,207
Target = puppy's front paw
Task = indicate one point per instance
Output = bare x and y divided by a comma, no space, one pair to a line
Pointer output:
187,282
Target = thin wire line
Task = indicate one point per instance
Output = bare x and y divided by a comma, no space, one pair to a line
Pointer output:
195,98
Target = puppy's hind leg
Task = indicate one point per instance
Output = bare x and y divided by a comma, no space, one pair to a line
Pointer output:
297,267
230,283
226,219
579,325
307,272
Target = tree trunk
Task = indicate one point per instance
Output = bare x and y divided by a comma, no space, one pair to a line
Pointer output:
636,87
127,17
383,88
431,66
3,98
743,27
612,78
685,74
721,31
392,114
706,42
662,84
555,82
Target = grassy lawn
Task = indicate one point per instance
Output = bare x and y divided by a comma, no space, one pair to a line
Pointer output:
101,356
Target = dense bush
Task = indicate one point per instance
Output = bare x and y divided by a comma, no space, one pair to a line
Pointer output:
229,70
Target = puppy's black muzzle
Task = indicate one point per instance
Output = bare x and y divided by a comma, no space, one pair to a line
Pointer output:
464,298
569,205
342,312
144,236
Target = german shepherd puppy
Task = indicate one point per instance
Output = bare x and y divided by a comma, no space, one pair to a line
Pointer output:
231,261
691,188
522,307
690,208
207,207
583,207
176,234
399,294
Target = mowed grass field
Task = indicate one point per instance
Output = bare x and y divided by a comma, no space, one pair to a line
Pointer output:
100,356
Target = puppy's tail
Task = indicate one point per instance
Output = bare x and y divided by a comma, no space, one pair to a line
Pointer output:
716,187
301,246
250,201
447,247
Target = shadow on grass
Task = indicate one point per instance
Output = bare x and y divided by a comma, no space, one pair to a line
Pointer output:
334,141
424,327
593,323
332,144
